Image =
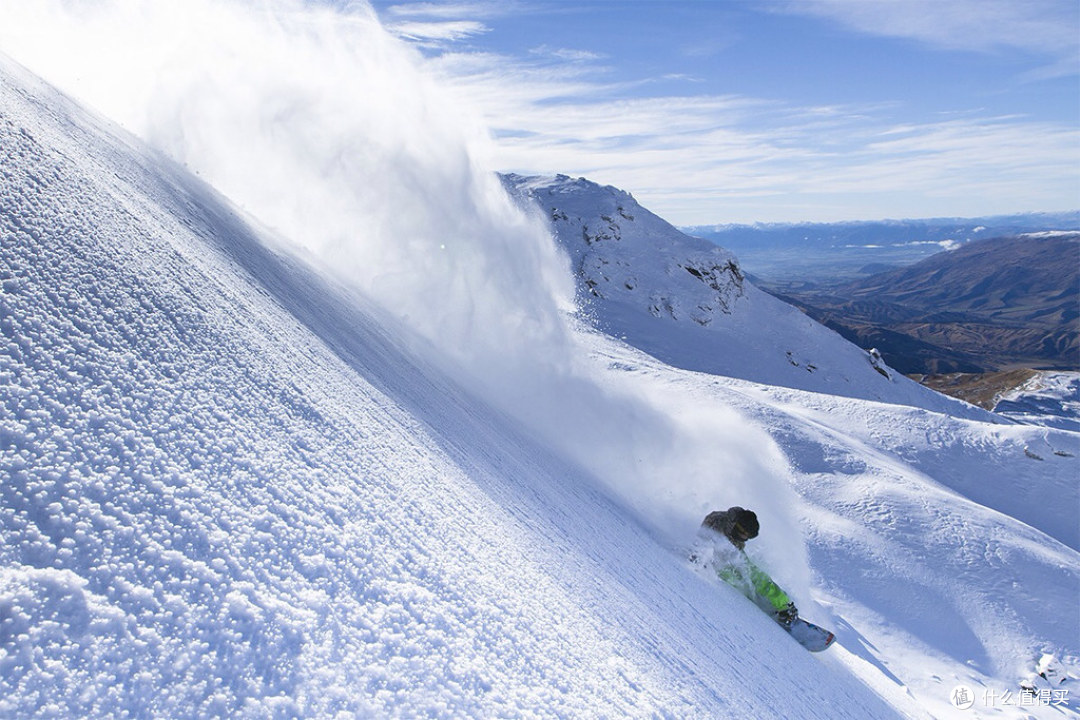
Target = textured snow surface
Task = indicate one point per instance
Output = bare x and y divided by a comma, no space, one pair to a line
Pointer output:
228,492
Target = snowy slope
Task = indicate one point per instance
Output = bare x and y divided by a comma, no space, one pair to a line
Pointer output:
686,301
943,550
1051,399
228,491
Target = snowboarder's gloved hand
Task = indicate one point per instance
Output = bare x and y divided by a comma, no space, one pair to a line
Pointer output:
788,615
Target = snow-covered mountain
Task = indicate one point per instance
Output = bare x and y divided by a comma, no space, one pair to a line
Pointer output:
235,483
686,301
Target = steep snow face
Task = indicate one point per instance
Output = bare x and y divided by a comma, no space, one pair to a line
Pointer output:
686,301
227,491
318,124
233,488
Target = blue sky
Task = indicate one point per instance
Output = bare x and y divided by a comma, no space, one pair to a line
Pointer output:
738,111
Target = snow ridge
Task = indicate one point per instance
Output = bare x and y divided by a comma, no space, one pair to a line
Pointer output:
617,246
686,301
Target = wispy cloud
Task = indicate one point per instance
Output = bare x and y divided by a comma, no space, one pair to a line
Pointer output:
1048,29
438,25
566,54
699,159
453,10
450,30
703,158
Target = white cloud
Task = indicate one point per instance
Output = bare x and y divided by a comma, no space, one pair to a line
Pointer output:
1043,28
445,31
705,159
567,54
455,10
709,158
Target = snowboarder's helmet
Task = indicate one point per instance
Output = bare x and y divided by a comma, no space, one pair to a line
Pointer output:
745,525
735,523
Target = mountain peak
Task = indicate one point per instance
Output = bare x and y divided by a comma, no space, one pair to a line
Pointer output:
688,302
622,252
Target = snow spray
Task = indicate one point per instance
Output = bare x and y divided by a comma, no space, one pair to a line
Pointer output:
322,126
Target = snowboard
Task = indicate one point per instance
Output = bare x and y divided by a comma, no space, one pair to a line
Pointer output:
810,636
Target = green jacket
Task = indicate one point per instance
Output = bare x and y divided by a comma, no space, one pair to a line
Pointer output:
755,583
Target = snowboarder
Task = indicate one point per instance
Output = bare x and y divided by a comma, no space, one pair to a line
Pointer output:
721,548
727,557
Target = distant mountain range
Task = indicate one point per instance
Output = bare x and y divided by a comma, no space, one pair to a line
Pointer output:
834,253
992,304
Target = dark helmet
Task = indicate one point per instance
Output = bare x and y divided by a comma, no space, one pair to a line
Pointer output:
735,523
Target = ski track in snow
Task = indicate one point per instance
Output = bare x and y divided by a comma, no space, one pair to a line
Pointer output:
229,492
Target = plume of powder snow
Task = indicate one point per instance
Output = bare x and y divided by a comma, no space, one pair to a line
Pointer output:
320,124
